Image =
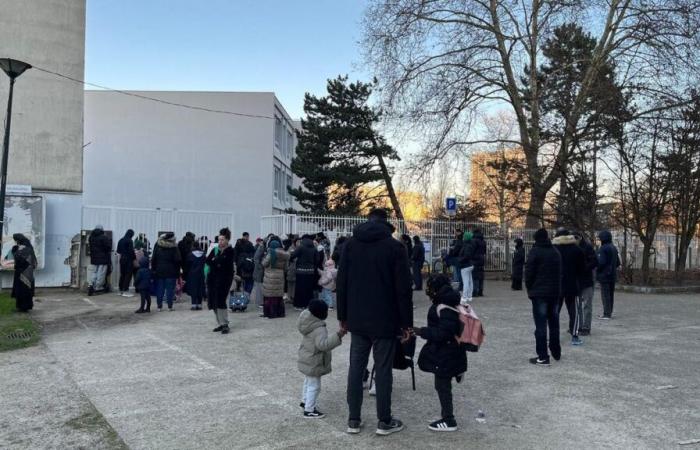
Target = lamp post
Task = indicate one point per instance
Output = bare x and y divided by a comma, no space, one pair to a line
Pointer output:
13,69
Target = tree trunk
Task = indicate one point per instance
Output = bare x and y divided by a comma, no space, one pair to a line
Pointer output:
390,188
682,253
535,212
646,257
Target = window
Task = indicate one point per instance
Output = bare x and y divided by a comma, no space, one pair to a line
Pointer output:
289,186
290,145
279,133
276,192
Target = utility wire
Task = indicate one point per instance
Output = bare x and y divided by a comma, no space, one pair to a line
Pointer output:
153,99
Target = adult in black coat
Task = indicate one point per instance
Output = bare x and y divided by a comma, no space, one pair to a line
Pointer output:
543,283
417,261
195,282
517,266
375,304
307,262
100,259
573,265
606,273
220,279
586,284
185,248
127,256
442,355
479,262
165,265
243,250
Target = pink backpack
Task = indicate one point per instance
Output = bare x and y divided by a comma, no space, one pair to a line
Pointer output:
472,333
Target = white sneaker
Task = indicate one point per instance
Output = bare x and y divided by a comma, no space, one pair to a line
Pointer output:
127,294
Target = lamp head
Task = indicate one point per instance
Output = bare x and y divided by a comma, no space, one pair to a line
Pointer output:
13,68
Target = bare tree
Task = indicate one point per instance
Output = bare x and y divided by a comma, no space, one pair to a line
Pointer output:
443,62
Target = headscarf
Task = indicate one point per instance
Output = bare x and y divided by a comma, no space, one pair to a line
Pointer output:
468,235
274,245
21,239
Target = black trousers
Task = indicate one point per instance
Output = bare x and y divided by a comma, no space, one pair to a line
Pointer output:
517,284
607,294
545,311
383,353
572,308
418,275
145,299
126,270
478,279
443,386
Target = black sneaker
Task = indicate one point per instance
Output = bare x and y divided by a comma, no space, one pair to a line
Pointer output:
315,414
91,291
539,362
140,311
302,405
225,330
556,356
354,426
393,426
444,425
217,329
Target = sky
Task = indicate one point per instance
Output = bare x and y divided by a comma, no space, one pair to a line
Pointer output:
287,47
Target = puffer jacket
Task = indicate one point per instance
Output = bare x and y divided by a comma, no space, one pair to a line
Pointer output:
316,345
166,258
100,248
572,264
259,271
273,280
543,271
442,354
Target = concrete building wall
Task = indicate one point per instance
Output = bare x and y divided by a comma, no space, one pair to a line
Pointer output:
47,121
144,154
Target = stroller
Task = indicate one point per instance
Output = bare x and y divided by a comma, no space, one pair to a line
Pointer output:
403,359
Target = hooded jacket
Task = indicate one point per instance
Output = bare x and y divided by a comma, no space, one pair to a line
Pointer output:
306,257
442,354
518,260
543,271
608,259
194,285
100,247
374,294
572,264
328,275
142,282
166,258
479,259
316,345
125,248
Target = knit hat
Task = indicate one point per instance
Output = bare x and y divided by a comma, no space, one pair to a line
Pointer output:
541,235
468,235
318,309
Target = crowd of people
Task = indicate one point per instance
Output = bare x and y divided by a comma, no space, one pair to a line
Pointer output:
369,278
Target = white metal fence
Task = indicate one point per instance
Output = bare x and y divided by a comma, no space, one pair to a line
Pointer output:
152,221
438,234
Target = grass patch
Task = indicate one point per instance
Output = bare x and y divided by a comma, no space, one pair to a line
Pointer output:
19,324
94,424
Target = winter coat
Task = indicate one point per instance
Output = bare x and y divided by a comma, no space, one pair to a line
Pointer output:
100,248
442,354
220,277
572,264
374,295
142,282
195,285
273,281
608,259
455,251
243,249
479,259
292,272
328,276
185,248
259,271
543,271
418,256
125,248
316,345
518,263
590,264
466,254
166,259
306,257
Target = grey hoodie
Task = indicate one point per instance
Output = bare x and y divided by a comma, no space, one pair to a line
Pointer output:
316,345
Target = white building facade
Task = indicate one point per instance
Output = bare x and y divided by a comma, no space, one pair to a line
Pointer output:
154,166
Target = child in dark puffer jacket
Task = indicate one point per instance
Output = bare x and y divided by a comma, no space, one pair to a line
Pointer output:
142,283
442,355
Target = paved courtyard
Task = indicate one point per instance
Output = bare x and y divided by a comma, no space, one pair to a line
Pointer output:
165,381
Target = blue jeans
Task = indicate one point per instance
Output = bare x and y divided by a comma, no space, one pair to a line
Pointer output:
165,287
328,297
545,311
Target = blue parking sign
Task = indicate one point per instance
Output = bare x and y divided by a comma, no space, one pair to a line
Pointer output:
451,206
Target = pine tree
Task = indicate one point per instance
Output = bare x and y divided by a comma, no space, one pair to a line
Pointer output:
339,154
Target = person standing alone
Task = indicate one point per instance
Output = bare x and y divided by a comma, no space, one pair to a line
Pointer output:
375,305
127,257
608,262
543,283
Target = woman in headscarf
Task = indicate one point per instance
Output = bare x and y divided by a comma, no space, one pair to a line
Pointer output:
24,264
306,257
275,264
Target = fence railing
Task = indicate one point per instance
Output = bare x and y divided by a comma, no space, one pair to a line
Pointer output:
437,236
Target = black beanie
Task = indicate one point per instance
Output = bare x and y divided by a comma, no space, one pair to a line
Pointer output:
541,235
318,309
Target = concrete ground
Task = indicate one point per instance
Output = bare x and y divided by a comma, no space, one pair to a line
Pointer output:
166,381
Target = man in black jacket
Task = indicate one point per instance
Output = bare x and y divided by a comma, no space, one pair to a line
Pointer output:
585,281
127,256
100,259
243,250
572,264
375,304
479,262
608,262
543,282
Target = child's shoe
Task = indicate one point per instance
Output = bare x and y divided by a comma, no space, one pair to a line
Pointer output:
443,425
315,414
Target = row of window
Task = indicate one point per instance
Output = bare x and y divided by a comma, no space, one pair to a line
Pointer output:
284,139
281,182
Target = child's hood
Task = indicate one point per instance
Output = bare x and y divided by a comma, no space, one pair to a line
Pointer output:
308,322
447,296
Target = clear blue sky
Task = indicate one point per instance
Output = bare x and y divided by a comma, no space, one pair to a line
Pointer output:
286,46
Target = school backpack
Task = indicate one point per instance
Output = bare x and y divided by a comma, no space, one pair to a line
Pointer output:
472,332
238,301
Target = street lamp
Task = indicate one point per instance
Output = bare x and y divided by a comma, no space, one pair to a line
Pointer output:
13,69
